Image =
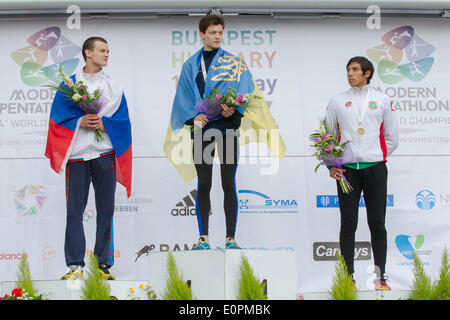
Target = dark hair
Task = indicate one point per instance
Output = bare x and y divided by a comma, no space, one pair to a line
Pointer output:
209,20
365,65
89,44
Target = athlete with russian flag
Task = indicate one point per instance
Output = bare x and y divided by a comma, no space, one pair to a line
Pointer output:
73,147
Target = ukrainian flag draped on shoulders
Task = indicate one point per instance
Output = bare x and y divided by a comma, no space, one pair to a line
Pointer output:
65,119
226,70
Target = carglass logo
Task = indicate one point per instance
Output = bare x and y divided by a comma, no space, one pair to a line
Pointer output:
425,200
256,202
402,55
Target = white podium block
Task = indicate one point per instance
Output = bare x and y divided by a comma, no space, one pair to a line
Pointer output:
364,295
71,289
214,274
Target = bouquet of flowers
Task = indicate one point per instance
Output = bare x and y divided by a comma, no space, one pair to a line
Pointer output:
212,106
91,103
330,152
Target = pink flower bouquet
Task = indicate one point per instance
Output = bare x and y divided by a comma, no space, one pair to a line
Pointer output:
212,106
91,103
330,152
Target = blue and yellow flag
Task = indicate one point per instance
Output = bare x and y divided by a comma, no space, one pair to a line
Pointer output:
226,70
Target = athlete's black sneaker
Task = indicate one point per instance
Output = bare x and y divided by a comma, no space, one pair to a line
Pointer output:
104,271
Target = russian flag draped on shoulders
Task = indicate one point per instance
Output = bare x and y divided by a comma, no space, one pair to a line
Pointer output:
226,70
65,118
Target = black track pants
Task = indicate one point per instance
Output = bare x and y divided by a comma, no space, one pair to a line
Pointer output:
228,149
372,181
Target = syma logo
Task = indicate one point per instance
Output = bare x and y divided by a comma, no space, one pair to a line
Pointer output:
29,200
32,58
258,202
425,200
402,44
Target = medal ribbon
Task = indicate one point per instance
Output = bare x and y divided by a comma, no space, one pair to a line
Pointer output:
203,68
356,109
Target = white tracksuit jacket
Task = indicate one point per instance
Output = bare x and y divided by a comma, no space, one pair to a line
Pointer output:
379,120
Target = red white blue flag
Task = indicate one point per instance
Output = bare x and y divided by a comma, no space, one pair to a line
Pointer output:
64,123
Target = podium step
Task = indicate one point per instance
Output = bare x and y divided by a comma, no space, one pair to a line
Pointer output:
214,274
363,295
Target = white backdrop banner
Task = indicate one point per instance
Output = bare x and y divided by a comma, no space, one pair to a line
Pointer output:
283,204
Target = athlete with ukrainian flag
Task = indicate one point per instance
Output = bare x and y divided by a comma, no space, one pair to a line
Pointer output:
73,147
193,137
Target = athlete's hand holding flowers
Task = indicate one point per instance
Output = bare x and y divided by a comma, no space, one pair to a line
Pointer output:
202,119
227,111
330,152
91,103
217,104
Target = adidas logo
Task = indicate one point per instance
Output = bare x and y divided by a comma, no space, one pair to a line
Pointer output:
186,207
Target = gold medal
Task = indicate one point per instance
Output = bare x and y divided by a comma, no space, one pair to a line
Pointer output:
361,131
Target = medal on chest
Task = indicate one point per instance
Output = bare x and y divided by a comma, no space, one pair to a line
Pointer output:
361,131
